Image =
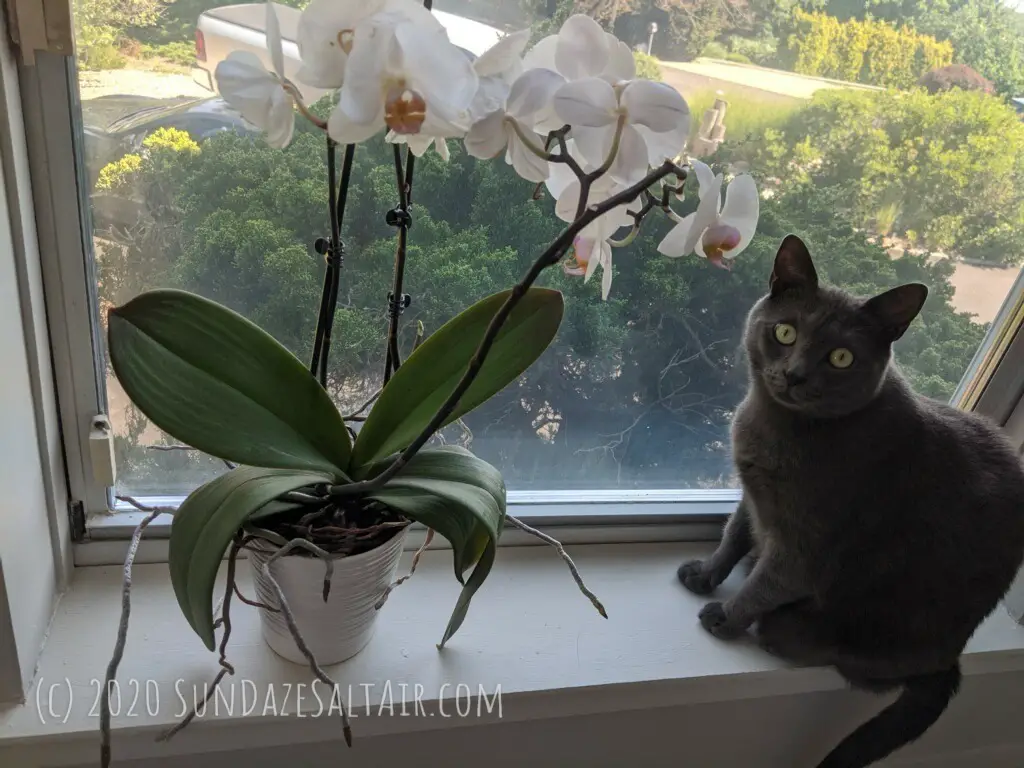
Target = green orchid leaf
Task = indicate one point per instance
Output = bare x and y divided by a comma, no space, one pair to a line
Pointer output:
476,579
274,508
206,523
461,497
430,375
217,382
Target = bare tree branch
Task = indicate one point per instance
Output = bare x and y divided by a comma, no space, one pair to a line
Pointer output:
167,448
703,351
370,401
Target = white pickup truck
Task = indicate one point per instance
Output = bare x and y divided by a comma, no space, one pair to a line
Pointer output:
243,27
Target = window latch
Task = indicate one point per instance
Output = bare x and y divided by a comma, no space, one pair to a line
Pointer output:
40,25
101,451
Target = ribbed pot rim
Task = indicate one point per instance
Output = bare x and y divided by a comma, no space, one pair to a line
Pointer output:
268,547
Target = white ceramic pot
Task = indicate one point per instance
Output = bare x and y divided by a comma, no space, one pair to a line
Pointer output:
338,629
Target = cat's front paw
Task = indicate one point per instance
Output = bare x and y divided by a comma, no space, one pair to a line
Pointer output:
694,578
713,619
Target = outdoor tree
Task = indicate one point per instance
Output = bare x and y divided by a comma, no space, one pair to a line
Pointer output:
943,170
100,27
868,51
179,17
687,26
987,35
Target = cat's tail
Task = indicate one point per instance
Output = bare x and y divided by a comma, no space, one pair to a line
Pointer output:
922,702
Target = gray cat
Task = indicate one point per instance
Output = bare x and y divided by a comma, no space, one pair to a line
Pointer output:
884,527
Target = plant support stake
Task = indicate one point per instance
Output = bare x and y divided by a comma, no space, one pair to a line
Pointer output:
333,251
401,218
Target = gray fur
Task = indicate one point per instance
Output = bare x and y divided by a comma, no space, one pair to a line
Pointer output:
886,526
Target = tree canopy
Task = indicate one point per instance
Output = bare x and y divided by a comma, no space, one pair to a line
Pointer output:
987,35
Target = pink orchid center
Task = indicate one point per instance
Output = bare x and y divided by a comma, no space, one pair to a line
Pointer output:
718,240
583,248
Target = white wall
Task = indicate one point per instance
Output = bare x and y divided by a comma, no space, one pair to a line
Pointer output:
980,730
35,552
26,557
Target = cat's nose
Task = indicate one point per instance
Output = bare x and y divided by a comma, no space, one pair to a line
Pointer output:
796,377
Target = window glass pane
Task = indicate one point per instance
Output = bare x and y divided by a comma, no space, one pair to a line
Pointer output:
885,133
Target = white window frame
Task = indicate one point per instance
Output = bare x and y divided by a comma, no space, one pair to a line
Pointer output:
994,387
994,383
35,542
50,101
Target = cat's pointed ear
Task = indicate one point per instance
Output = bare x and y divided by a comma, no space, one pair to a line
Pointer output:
793,267
896,309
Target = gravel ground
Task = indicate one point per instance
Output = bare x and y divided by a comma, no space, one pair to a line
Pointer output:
981,290
141,82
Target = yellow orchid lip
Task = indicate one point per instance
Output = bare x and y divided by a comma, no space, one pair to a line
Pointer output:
576,266
346,38
404,110
717,257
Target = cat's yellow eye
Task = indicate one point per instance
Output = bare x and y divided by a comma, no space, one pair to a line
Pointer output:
785,334
841,358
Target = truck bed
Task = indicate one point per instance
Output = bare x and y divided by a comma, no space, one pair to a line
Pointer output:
243,27
254,16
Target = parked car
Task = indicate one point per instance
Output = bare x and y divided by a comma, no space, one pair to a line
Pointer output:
110,138
243,28
117,125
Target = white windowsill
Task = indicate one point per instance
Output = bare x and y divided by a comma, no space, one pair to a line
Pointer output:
529,630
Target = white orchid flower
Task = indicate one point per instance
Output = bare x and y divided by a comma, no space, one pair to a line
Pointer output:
403,76
504,59
419,144
621,65
718,234
260,96
580,49
588,255
326,34
497,68
563,185
655,118
592,247
505,128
